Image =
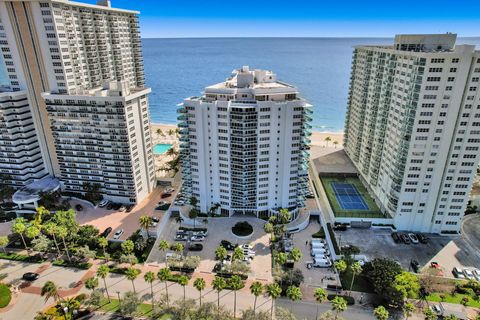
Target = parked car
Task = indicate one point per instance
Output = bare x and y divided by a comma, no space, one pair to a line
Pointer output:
246,247
413,238
458,273
476,273
319,251
170,190
181,237
130,207
155,219
227,245
340,227
116,206
173,255
106,232
468,274
436,265
318,263
118,234
396,237
318,245
165,195
197,238
422,238
200,233
179,202
103,203
122,208
30,276
195,247
437,309
78,207
405,238
415,265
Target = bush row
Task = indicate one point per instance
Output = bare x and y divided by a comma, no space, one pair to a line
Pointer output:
332,237
350,300
73,264
21,257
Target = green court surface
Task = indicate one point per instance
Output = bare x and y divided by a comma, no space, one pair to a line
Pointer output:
351,202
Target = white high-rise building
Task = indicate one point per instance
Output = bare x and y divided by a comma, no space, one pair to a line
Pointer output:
80,68
413,128
244,145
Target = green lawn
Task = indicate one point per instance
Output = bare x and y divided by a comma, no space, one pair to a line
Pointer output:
143,308
373,210
5,295
457,298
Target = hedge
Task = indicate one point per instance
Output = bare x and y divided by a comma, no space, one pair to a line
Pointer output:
20,257
176,277
74,264
350,300
192,229
332,237
5,295
180,269
229,275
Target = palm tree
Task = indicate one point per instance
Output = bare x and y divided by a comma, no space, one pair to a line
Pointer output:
327,140
218,284
273,291
335,143
62,232
145,222
51,229
69,305
160,132
199,284
236,283
381,313
408,309
50,290
179,220
163,275
356,270
171,132
149,277
238,254
294,294
221,253
103,243
19,227
339,304
341,266
103,272
91,283
268,228
183,281
256,288
163,246
132,274
321,296
178,247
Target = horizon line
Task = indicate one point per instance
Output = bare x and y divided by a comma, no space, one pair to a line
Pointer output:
288,37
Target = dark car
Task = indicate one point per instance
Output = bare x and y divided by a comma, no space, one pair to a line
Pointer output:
415,265
422,238
395,237
116,206
30,276
405,238
166,195
109,206
79,207
130,207
340,227
106,232
227,245
155,219
195,247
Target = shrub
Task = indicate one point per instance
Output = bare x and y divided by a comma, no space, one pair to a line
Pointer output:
319,234
5,295
21,257
192,229
350,300
242,229
73,264
332,237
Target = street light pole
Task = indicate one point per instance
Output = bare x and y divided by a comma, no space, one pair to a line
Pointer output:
118,294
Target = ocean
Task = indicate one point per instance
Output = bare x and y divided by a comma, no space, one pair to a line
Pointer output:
319,67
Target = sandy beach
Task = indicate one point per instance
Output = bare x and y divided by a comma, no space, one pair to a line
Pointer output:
318,138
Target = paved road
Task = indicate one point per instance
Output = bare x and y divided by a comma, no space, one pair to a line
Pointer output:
308,310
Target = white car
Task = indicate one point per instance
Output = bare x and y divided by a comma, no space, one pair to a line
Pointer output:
197,238
458,273
103,203
123,208
468,274
246,247
118,234
476,273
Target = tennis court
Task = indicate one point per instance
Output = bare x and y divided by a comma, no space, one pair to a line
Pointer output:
348,196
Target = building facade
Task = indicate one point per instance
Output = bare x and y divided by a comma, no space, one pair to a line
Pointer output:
86,60
244,145
413,128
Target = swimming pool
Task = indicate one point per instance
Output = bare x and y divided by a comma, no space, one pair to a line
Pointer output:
161,148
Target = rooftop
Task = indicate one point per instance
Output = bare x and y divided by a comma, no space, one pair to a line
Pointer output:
101,5
33,191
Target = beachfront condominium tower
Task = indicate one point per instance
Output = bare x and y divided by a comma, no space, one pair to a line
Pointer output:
244,145
413,128
76,70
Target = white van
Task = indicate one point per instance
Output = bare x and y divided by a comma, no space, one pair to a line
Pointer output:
317,240
318,263
318,245
319,251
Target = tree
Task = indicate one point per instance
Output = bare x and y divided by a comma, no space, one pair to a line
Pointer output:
91,283
295,254
408,309
4,243
179,220
32,232
193,214
51,230
381,272
128,246
41,243
178,247
92,191
67,219
199,284
103,243
281,258
69,306
294,294
62,232
85,253
339,305
451,317
163,246
19,227
218,284
145,222
238,254
183,281
171,132
256,288
335,143
407,285
356,269
131,259
50,290
132,274
164,275
221,253
160,132
268,228
273,291
381,313
327,140
128,306
95,298
102,272
149,277
320,295
236,283
429,314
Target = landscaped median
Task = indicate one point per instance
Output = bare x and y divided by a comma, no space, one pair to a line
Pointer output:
5,295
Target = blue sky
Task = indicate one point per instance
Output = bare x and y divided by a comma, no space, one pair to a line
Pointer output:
308,18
